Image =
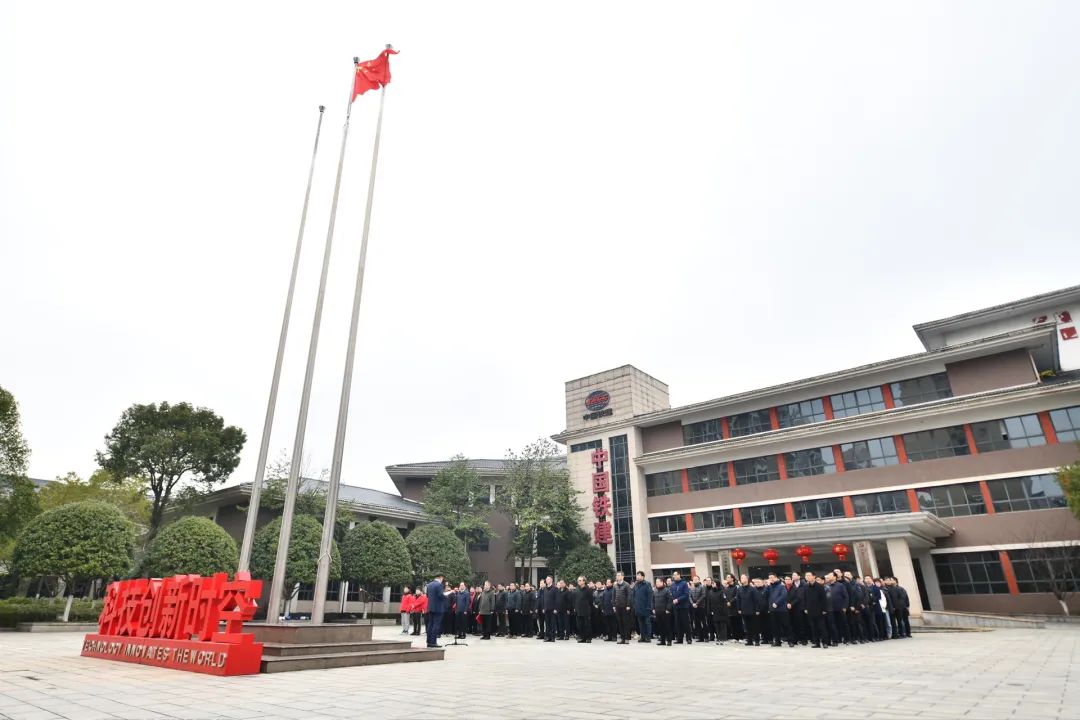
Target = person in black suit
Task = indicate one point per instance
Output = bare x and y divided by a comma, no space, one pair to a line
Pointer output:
816,609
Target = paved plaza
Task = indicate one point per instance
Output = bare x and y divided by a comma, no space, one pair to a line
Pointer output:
997,674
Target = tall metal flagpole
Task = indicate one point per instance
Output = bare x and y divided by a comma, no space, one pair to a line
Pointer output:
323,576
278,585
271,405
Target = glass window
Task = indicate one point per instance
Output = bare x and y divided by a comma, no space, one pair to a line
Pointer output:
333,590
881,503
621,505
1044,570
1014,432
1035,492
480,544
857,402
664,483
353,595
939,443
974,573
748,423
823,509
707,477
952,500
666,524
713,519
1066,423
591,445
307,591
755,470
921,389
762,515
819,461
801,413
869,454
701,432
665,573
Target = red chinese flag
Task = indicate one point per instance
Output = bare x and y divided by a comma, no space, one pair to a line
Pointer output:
373,74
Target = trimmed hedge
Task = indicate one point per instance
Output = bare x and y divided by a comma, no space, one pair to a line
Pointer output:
191,545
20,610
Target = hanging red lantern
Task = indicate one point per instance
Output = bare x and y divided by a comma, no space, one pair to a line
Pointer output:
771,555
738,555
804,554
840,550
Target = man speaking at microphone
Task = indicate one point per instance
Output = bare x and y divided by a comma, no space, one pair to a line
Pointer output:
436,597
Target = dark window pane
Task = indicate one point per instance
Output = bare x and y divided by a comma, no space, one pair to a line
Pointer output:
938,443
755,470
762,514
921,389
970,573
857,402
748,423
881,503
818,461
664,483
591,445
1014,432
1066,423
700,432
822,509
707,477
952,500
1033,492
869,453
801,413
713,519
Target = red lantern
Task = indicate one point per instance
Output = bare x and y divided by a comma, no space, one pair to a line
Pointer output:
840,550
804,554
771,555
738,555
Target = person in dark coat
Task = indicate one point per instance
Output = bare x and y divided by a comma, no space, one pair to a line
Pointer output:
527,623
549,603
778,612
643,608
856,602
461,611
731,590
816,609
500,610
838,609
566,609
623,607
795,601
680,599
748,601
661,601
436,597
716,610
486,610
513,610
872,603
902,627
583,612
607,609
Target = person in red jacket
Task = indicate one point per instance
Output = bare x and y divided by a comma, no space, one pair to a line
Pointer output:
406,608
418,610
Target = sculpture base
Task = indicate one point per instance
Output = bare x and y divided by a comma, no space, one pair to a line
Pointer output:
211,658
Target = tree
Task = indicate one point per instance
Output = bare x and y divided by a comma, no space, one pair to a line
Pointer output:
166,443
1056,570
589,561
14,452
191,545
434,549
302,563
540,499
1069,479
128,494
375,554
457,497
310,494
75,542
18,506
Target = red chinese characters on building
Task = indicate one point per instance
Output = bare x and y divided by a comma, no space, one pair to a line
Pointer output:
601,483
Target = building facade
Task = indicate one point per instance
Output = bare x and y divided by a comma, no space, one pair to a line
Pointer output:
938,467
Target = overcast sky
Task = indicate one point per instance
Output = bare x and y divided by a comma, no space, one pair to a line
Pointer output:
725,195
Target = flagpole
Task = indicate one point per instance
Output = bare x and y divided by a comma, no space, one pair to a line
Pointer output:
278,585
323,575
271,405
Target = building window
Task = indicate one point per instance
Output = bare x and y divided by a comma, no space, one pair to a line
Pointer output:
621,504
857,402
707,477
921,389
801,413
748,423
585,446
333,591
665,573
952,500
1035,492
1014,432
666,524
762,515
823,509
939,443
755,470
801,463
1044,570
1066,423
869,454
480,544
395,594
881,503
353,593
712,519
307,591
665,483
702,432
973,573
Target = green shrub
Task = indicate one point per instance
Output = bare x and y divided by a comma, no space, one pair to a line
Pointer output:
589,561
434,548
191,545
303,560
83,540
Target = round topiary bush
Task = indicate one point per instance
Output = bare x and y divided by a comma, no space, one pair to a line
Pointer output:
434,548
191,545
302,563
374,553
588,561
78,541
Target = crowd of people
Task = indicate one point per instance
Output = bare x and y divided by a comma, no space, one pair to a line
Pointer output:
818,610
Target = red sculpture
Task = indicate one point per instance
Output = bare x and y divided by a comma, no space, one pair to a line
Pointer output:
771,555
840,550
174,622
738,555
804,554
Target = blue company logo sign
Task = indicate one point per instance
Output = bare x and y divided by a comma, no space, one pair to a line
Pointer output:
597,400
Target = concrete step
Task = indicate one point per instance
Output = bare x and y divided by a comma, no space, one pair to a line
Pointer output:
916,629
301,633
334,648
272,664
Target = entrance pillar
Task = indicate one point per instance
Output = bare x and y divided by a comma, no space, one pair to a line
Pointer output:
702,565
930,578
865,561
904,570
726,564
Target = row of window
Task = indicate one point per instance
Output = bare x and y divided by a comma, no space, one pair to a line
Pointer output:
355,593
1032,492
1037,570
591,445
1007,433
905,392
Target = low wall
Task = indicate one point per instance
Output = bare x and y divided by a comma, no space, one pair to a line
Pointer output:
938,618
56,627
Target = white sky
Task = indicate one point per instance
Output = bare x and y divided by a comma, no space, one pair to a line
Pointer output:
725,195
